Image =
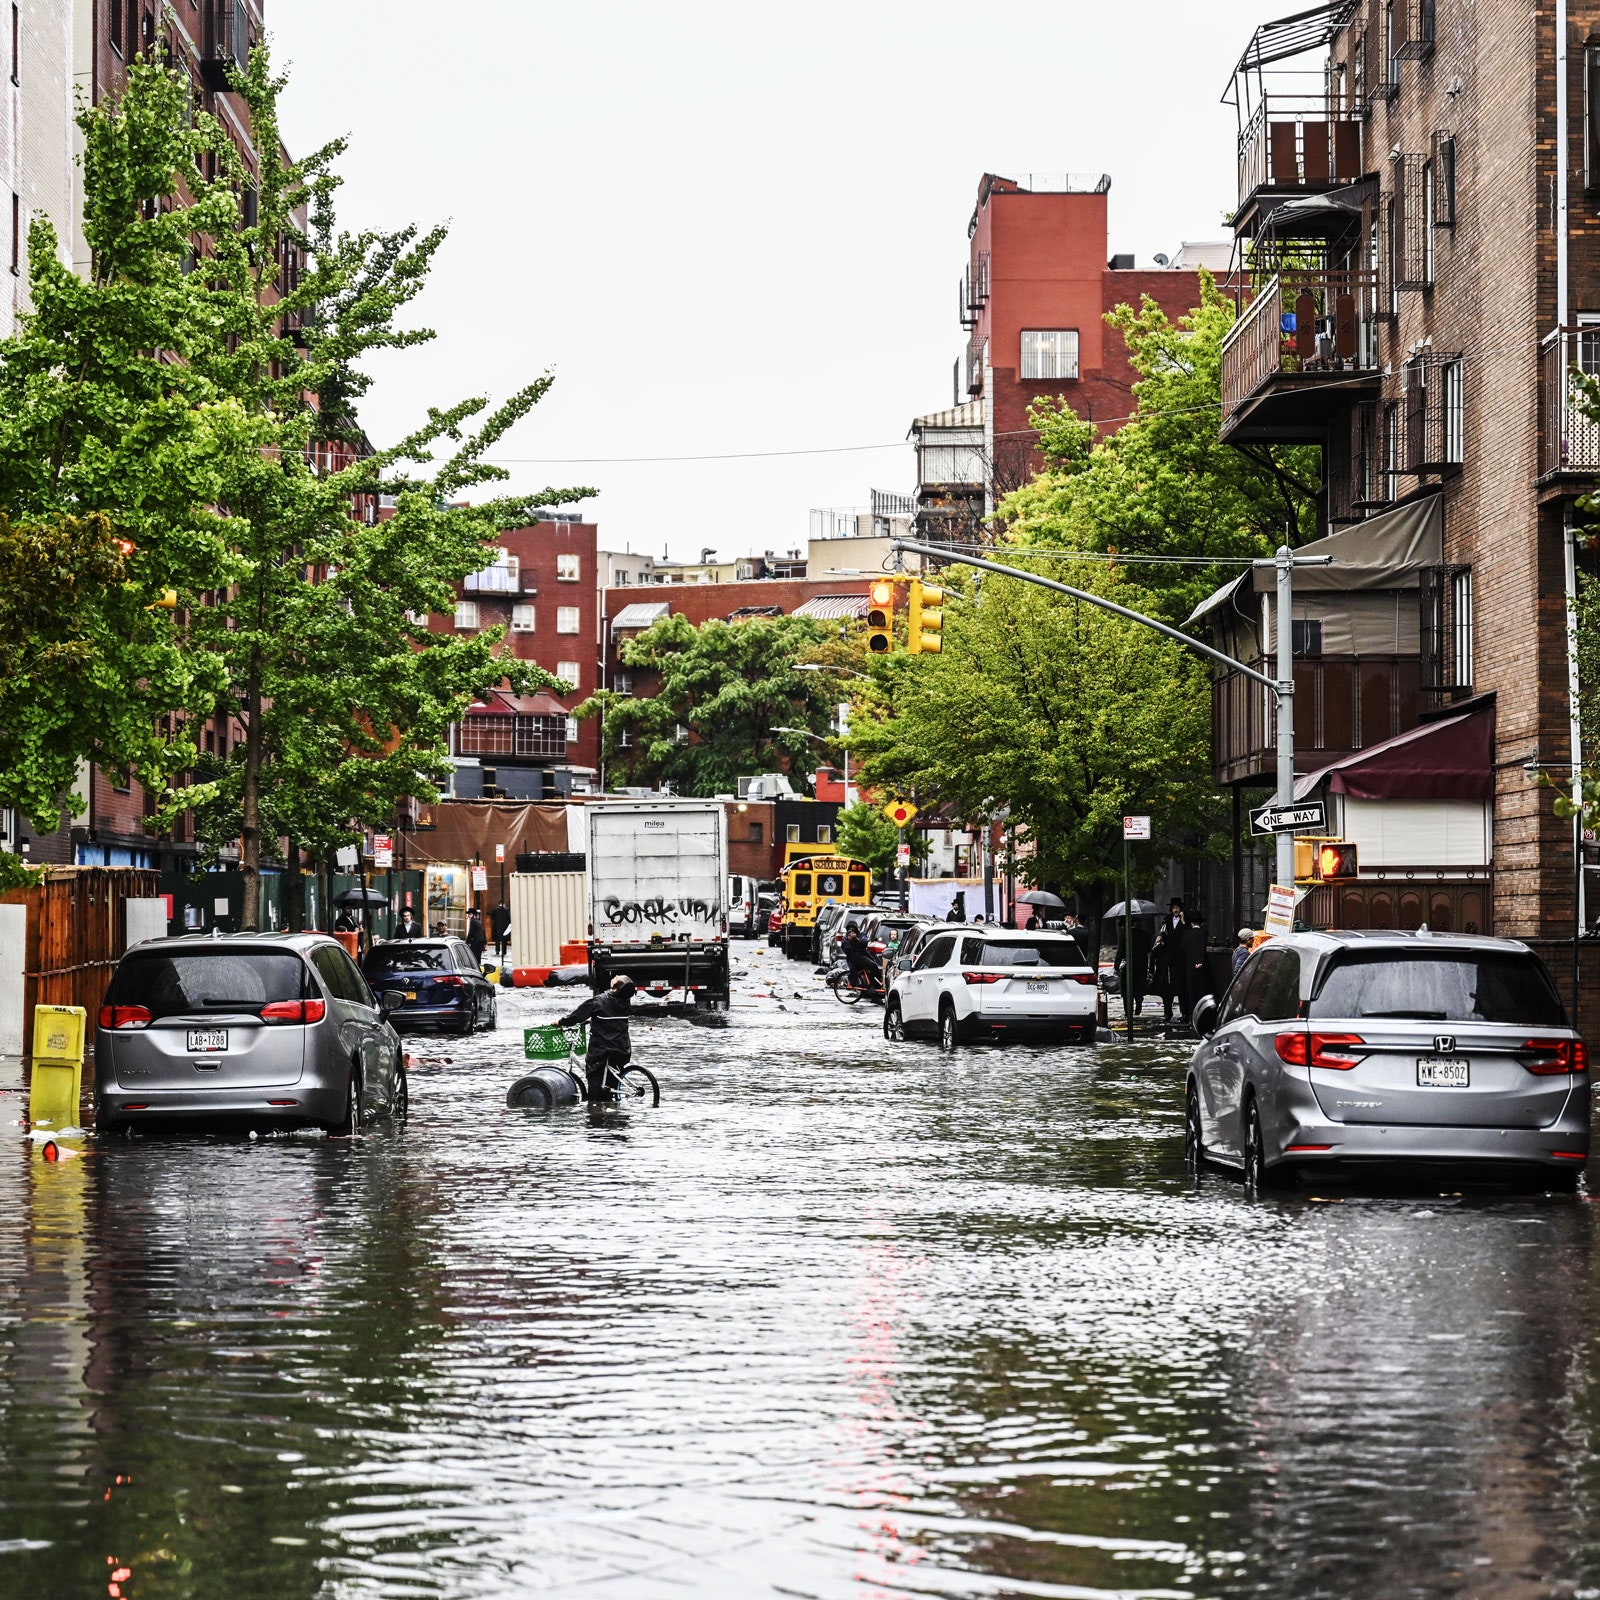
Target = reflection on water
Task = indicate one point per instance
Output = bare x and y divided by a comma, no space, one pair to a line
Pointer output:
838,1318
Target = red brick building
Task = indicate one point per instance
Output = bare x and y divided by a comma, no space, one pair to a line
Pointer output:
542,589
1038,285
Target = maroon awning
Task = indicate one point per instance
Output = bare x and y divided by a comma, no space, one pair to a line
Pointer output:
498,703
1448,760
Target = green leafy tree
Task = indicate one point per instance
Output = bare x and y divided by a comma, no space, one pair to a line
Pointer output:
1164,491
1060,713
110,441
344,694
724,687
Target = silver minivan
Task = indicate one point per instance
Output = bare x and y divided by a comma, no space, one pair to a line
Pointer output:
1408,1049
273,1029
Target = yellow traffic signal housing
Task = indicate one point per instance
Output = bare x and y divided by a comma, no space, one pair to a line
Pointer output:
880,618
924,618
1305,860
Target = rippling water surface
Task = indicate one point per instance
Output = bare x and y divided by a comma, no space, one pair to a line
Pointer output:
839,1319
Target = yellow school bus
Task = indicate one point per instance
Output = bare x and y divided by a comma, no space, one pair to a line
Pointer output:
808,885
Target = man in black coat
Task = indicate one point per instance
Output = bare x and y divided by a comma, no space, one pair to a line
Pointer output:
1167,961
608,1015
500,927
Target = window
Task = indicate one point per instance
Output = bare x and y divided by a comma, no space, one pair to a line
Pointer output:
467,616
622,682
755,833
1591,116
503,577
1390,46
622,579
1049,353
567,569
1391,451
566,619
936,954
792,832
857,886
1461,604
114,29
572,730
1444,179
1451,399
1429,213
1468,987
522,619
1307,637
1275,995
568,672
824,834
802,883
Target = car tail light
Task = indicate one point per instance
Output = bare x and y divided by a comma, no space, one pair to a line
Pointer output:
878,947
125,1017
295,1011
980,977
450,980
1305,1149
1333,1050
1084,977
283,1102
1291,1047
1555,1056
1569,1155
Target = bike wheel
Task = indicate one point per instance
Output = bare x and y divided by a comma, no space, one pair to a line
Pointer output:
846,994
637,1086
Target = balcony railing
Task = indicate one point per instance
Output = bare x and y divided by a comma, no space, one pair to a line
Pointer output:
226,42
975,351
1307,142
1571,437
1305,325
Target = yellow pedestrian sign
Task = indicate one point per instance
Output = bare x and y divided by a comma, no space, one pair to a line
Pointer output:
900,812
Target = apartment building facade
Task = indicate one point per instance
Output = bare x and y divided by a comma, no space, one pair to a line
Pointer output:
1419,232
1033,298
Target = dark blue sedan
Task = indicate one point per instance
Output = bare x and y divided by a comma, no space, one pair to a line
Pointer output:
440,984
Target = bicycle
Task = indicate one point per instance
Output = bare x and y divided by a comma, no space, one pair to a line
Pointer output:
630,1085
850,988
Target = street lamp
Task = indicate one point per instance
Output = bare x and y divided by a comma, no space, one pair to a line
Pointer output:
806,733
1533,767
822,666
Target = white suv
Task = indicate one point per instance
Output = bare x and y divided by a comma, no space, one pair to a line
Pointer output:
990,982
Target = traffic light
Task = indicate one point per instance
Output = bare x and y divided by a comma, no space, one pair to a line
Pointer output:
880,618
1335,860
924,619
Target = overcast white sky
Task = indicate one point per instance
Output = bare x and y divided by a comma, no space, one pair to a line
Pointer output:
737,227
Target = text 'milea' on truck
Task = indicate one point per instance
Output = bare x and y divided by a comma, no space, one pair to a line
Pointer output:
658,874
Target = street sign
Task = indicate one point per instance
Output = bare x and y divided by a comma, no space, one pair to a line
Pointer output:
1280,909
346,856
900,812
382,850
1310,816
480,877
499,852
903,854
1135,828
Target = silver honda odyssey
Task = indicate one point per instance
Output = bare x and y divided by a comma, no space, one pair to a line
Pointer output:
1334,1049
266,1028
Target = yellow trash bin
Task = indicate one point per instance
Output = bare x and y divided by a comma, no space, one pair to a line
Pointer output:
57,1083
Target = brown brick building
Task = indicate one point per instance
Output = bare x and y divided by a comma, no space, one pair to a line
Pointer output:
1423,245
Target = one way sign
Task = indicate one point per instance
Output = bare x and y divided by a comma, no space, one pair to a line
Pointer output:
1307,818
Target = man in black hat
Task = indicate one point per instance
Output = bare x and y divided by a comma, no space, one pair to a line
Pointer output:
608,1015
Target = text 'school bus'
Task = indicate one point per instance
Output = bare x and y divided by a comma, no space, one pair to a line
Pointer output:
808,885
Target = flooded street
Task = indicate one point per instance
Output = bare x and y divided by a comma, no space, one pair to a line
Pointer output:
839,1319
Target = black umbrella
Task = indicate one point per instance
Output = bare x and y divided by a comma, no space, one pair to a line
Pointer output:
1141,908
373,898
1042,897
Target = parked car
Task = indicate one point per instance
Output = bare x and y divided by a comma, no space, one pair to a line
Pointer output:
1412,1048
913,940
828,929
438,982
775,926
885,932
970,983
271,1028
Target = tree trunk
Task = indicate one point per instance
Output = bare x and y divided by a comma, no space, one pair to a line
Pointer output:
250,828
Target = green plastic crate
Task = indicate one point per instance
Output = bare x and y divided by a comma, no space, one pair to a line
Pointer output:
551,1042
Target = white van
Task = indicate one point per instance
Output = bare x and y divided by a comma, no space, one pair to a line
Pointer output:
743,894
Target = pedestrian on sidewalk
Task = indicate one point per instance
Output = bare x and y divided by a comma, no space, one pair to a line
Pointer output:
1134,980
500,927
477,939
1241,952
1167,960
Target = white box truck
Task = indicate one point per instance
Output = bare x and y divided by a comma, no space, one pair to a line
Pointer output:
658,875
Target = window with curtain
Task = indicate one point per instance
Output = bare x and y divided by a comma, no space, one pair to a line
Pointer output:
1048,353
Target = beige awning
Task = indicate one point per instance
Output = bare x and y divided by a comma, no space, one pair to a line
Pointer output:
1388,551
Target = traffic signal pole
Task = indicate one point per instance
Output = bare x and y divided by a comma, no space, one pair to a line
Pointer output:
1282,687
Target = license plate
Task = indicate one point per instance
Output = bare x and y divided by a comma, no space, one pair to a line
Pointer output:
208,1038
1038,986
411,994
1441,1072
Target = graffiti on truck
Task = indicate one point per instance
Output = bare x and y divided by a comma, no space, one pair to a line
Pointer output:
661,910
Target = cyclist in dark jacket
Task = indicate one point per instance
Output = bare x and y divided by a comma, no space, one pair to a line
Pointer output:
608,1015
858,954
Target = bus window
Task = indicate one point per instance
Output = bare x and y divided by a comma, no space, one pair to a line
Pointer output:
830,883
802,883
858,886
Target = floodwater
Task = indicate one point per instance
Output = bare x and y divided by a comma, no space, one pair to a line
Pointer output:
839,1319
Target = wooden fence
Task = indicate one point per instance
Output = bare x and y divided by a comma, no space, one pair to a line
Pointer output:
77,932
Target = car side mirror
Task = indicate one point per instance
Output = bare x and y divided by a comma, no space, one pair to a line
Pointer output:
390,1000
1204,1020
